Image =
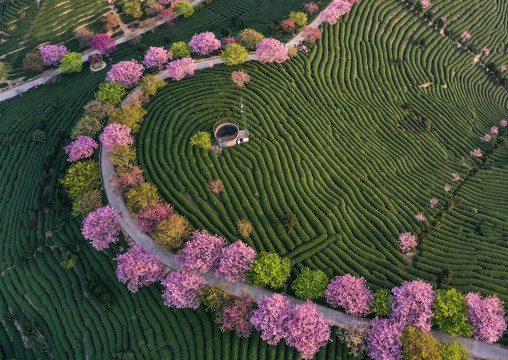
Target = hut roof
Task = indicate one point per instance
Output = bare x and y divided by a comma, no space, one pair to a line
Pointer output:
94,58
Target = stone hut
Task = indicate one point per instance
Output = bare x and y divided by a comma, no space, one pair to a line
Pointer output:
228,134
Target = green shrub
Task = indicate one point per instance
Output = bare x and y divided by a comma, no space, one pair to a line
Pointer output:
453,350
80,178
183,8
131,116
419,345
38,136
450,311
111,93
300,18
133,8
142,195
86,126
150,84
180,50
310,284
382,303
214,298
68,260
201,139
234,54
290,220
71,62
269,270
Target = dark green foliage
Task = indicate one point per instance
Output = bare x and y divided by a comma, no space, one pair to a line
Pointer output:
98,291
290,220
310,284
68,260
213,298
382,304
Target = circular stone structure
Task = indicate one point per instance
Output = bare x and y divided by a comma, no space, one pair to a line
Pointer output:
226,134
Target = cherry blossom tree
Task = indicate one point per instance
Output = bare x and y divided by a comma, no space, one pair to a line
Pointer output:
202,252
98,110
311,34
204,43
157,57
455,177
486,138
235,315
103,43
407,241
81,148
271,50
178,69
494,130
351,293
288,25
166,15
235,260
272,317
126,178
125,73
504,123
433,202
447,188
150,216
426,3
102,227
477,153
412,304
307,330
182,289
228,41
383,342
52,54
240,77
420,217
487,317
139,268
486,50
311,8
503,68
116,134
465,35
335,10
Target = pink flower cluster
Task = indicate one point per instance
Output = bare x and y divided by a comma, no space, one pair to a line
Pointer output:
52,54
486,50
102,227
103,43
455,177
240,77
447,188
156,57
504,123
334,11
465,35
420,217
487,317
204,43
425,3
236,315
351,293
486,138
178,69
139,268
166,15
433,202
235,260
202,252
271,318
412,304
494,130
271,50
126,178
307,330
407,241
182,289
125,73
311,8
384,341
503,68
150,216
477,153
311,34
81,148
116,134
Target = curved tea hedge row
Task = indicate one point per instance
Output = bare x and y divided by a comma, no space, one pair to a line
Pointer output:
337,137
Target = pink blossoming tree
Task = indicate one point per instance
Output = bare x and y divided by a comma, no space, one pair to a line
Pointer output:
235,316
420,217
447,188
383,342
494,130
202,252
178,69
407,242
272,317
351,293
52,54
334,11
486,50
477,153
126,178
116,134
139,268
182,289
156,57
166,15
487,317
486,138
426,3
125,73
504,123
103,43
455,177
235,260
228,41
433,202
240,77
82,148
465,35
311,34
412,304
271,50
307,330
102,227
204,43
150,216
311,8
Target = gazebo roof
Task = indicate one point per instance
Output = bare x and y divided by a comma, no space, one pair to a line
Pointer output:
94,58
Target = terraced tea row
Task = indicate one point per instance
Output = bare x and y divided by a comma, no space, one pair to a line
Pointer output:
345,138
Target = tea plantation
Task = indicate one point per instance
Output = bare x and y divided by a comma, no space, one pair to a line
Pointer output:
347,139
